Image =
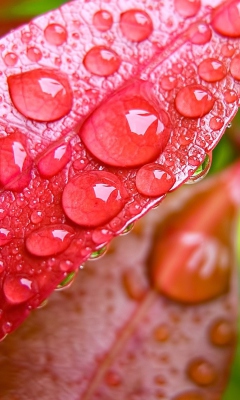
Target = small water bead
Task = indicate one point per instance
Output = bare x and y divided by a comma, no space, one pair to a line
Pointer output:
100,236
200,33
10,59
194,101
93,198
98,253
127,130
19,288
212,70
154,180
55,34
54,159
136,25
102,61
66,265
49,240
46,93
228,50
191,395
34,54
187,8
26,37
161,333
7,328
67,281
168,82
230,96
15,164
128,229
202,170
216,123
226,20
5,236
36,217
112,378
202,372
235,67
222,333
102,20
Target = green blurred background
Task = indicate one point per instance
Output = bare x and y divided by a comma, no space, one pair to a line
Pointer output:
16,12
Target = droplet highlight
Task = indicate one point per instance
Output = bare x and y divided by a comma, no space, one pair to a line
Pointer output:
136,25
18,289
154,180
187,8
194,101
102,20
55,34
212,70
102,61
202,170
54,159
202,372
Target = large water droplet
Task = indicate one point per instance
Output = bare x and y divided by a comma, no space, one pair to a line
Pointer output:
154,180
235,67
194,101
10,59
222,333
127,130
49,240
128,229
93,198
187,8
191,395
202,170
15,164
18,289
102,61
202,372
34,54
102,20
226,19
200,33
41,94
54,159
55,34
67,281
212,70
136,25
230,96
5,236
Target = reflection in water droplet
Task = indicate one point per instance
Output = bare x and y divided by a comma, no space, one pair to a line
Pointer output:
55,34
154,180
102,20
136,25
67,281
34,54
226,20
18,288
128,229
202,372
222,333
102,61
161,333
10,59
194,101
98,253
187,8
202,170
212,70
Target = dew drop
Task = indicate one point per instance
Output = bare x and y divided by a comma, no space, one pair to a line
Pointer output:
226,20
41,94
102,61
230,96
67,281
212,70
194,101
228,50
154,180
136,25
161,333
98,253
2,268
43,304
222,333
200,33
189,396
100,236
34,54
187,8
66,265
49,240
102,20
5,236
127,130
112,378
216,123
134,285
235,67
7,327
54,159
15,164
202,170
168,82
36,217
202,372
93,198
18,289
10,59
128,229
55,34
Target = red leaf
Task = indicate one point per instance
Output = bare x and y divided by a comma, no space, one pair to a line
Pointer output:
112,336
120,95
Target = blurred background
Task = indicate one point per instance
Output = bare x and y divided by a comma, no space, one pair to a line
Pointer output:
16,12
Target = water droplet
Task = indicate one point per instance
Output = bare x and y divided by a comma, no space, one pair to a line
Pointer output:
127,130
66,265
230,96
100,236
10,59
54,159
55,34
128,229
102,61
98,253
134,285
200,33
46,93
235,67
154,180
202,372
136,25
222,333
226,20
168,82
7,327
93,198
216,123
2,268
43,304
202,170
49,240
161,333
194,101
36,217
67,281
102,20
15,164
198,272
5,236
212,70
26,37
18,288
191,395
34,54
228,50
112,378
187,8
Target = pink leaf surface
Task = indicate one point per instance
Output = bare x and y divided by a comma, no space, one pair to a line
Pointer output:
112,335
88,98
